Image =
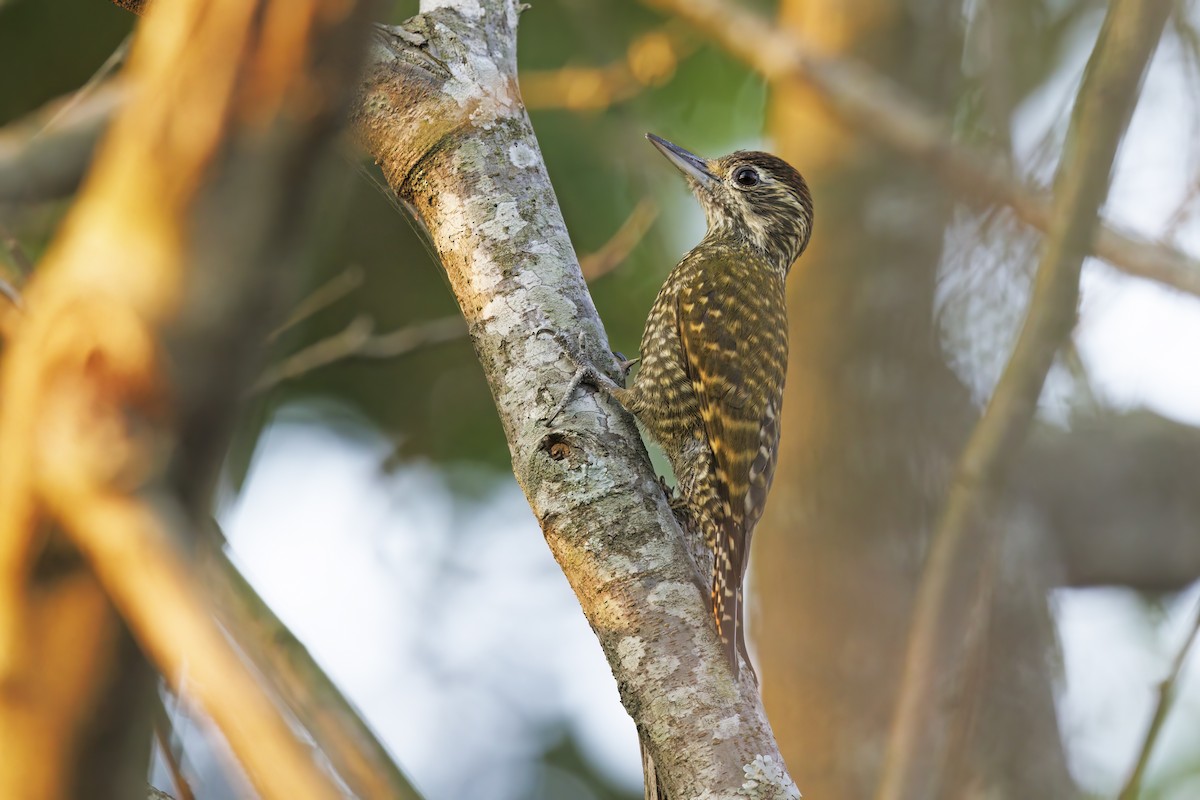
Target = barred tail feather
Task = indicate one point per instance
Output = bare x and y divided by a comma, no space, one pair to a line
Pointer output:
727,588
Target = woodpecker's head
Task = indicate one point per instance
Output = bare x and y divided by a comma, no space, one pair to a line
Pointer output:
749,195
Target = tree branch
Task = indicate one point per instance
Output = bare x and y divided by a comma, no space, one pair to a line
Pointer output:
441,112
650,61
16,253
337,729
121,380
1103,107
884,110
617,249
321,298
165,741
359,341
38,163
155,591
1116,497
1166,698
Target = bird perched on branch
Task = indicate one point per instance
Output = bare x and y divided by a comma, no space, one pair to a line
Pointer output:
714,357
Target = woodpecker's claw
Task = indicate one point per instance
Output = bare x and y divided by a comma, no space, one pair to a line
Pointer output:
584,371
625,364
584,374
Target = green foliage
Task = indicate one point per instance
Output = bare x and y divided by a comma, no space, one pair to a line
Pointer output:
51,47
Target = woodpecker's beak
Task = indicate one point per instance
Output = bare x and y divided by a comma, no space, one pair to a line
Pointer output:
689,164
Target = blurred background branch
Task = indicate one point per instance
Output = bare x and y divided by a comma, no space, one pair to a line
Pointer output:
650,61
335,725
86,364
159,599
1115,496
359,340
40,161
1167,689
1103,108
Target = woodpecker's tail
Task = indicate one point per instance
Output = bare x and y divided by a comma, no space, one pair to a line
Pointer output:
727,587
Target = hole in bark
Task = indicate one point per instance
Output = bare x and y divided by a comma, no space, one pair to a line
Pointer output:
556,445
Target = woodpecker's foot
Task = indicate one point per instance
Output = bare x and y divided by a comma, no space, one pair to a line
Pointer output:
674,498
585,372
625,364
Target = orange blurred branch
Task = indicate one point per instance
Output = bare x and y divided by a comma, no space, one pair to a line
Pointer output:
616,250
649,62
142,325
132,554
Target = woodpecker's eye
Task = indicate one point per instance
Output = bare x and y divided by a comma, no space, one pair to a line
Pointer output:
746,176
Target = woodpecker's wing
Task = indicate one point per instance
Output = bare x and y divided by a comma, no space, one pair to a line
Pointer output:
734,336
733,329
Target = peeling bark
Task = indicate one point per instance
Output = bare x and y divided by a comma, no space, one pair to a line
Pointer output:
441,112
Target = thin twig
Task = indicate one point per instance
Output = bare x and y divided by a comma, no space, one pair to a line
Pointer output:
162,735
356,339
1183,211
1166,699
1105,102
617,249
322,298
114,60
414,337
10,292
37,164
16,253
880,108
20,261
341,345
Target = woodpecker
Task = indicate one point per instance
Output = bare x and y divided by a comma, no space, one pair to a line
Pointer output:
713,361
